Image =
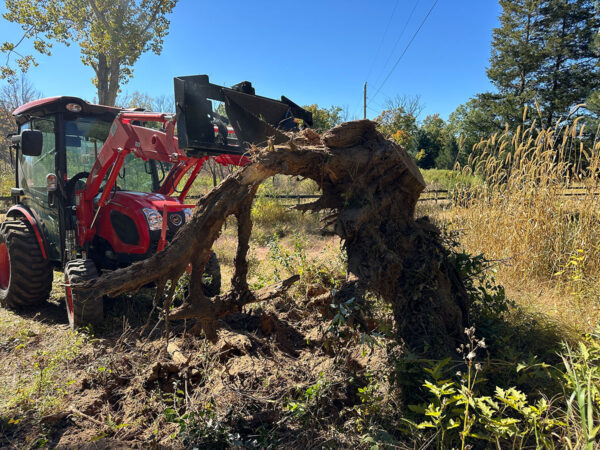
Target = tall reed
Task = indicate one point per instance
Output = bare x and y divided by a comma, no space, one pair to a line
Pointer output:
538,208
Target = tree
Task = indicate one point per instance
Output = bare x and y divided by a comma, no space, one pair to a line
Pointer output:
433,127
162,103
326,118
399,121
448,156
570,71
472,122
426,150
13,95
543,51
517,57
112,35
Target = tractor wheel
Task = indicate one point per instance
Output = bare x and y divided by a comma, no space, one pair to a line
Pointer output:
25,276
82,311
211,278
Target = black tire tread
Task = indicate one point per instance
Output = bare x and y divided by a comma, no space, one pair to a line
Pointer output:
212,270
31,275
88,310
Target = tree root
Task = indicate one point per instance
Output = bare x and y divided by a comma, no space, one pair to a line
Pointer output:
370,187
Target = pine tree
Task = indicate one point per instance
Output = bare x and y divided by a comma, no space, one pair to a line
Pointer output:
544,50
570,72
517,57
449,154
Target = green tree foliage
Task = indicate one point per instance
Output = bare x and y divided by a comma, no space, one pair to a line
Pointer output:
400,125
449,153
470,123
570,70
543,50
326,118
112,35
430,141
399,121
517,57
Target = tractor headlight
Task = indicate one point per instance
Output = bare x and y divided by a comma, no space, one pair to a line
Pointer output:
188,214
154,219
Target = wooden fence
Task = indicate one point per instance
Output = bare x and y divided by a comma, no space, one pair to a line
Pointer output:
433,195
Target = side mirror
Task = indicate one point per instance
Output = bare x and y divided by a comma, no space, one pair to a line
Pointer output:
30,141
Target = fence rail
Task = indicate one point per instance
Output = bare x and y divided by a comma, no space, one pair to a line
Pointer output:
425,196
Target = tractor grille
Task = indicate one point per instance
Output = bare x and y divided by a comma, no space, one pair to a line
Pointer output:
125,228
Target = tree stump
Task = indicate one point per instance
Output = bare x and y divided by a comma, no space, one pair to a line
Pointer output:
371,186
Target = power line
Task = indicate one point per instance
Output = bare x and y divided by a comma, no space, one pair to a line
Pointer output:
382,39
399,38
406,48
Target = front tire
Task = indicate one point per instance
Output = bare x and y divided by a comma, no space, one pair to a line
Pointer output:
25,276
211,278
82,311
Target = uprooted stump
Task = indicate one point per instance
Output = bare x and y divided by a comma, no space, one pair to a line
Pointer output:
370,186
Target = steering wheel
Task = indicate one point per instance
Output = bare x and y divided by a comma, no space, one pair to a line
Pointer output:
70,185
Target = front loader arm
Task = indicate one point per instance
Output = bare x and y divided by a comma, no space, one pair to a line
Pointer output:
124,138
145,143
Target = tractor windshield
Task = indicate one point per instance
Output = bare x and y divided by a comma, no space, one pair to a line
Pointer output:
84,137
135,175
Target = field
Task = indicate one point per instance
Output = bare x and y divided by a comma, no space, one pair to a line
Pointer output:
298,372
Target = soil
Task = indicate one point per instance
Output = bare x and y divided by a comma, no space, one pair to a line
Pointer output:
263,360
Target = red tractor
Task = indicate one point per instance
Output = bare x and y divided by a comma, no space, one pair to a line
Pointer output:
98,189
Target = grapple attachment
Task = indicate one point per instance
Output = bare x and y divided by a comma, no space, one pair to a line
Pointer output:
254,119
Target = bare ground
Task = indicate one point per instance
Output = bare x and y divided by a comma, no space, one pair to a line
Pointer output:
276,376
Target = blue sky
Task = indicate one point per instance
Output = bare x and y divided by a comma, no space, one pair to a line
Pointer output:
312,52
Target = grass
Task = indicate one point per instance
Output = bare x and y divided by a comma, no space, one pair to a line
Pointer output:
450,180
520,218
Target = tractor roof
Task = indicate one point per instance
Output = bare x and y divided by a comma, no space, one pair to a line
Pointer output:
51,105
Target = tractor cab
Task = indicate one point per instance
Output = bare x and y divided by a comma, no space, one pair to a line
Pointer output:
72,132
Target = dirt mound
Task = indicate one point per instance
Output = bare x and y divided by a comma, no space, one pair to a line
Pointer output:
267,368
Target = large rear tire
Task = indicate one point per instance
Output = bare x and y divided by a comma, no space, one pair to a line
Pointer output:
211,278
82,311
25,276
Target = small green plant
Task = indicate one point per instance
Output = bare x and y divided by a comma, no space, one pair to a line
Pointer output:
342,314
582,391
371,404
308,402
284,261
197,425
461,415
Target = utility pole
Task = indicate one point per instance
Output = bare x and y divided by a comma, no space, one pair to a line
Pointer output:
365,102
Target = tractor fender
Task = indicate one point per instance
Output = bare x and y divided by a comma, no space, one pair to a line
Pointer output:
31,217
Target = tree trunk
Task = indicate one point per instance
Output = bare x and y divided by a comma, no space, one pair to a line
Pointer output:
372,186
114,82
107,80
102,79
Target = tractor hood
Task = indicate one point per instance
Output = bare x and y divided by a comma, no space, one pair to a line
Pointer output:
138,200
131,222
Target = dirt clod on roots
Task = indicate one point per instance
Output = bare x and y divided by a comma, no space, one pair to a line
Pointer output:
370,186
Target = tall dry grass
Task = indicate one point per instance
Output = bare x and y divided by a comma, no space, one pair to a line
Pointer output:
537,210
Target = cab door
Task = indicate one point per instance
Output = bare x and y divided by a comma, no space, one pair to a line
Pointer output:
32,175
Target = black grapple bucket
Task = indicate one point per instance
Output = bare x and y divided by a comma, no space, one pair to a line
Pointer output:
253,118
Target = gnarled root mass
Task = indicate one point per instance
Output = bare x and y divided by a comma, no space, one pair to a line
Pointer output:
371,187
